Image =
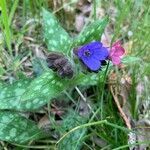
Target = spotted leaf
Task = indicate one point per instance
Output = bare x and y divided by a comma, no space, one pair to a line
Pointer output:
17,129
92,32
90,78
10,94
75,139
43,89
57,39
31,94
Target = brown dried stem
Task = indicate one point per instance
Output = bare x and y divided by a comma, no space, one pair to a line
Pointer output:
127,122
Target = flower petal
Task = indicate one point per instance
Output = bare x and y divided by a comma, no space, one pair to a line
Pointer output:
94,45
116,44
91,46
119,51
100,54
116,60
92,64
80,52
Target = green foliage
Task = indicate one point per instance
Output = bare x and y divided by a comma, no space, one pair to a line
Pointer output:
31,94
147,69
90,79
91,32
75,139
13,9
57,39
10,94
131,59
42,89
111,133
17,129
124,8
2,71
4,22
39,66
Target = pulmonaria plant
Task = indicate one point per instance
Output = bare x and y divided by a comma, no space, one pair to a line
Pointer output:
115,53
93,55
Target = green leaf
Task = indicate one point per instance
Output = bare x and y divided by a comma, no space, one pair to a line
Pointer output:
10,94
131,59
57,39
39,66
91,32
75,139
42,89
90,79
2,71
17,129
146,69
31,95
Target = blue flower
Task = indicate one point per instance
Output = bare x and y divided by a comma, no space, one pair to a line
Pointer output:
92,55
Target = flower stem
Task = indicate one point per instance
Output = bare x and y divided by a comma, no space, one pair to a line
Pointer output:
103,86
84,99
102,96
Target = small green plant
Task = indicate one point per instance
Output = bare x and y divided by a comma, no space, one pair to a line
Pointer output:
31,94
90,63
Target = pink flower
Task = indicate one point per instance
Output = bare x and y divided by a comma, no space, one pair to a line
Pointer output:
116,51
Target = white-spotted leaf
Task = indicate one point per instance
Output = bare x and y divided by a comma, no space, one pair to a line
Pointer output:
17,129
90,78
92,32
10,94
31,94
75,139
43,89
57,39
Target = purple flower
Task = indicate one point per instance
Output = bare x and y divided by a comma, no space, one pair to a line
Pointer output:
92,55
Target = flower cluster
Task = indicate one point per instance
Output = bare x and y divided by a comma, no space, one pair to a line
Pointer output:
94,54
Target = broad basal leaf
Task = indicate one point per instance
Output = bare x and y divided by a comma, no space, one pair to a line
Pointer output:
39,66
10,94
57,39
75,139
17,129
31,94
91,32
42,89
